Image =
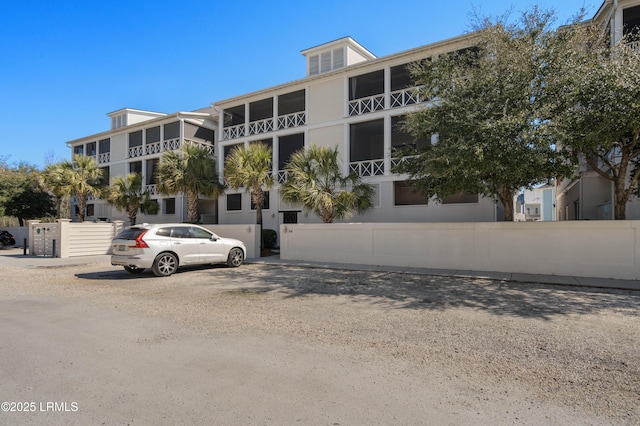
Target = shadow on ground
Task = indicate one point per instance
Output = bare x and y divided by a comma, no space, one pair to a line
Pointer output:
398,290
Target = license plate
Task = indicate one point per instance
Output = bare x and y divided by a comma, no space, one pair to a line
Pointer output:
121,247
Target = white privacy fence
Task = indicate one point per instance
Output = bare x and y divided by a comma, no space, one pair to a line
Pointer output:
604,249
70,239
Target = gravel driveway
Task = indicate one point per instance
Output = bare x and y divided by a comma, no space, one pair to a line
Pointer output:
324,346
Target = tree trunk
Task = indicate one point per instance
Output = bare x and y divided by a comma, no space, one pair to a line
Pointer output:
192,207
620,203
505,195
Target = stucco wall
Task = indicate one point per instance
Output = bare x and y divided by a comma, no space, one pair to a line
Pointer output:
605,249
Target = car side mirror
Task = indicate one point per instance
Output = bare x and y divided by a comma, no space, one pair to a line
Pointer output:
214,238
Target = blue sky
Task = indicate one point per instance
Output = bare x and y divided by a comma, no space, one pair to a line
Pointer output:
65,64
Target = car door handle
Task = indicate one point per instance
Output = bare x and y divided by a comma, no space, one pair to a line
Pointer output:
177,242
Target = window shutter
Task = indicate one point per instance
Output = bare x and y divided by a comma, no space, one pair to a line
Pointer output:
325,61
338,58
314,65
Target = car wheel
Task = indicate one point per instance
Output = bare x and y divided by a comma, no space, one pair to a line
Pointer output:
236,256
165,265
133,270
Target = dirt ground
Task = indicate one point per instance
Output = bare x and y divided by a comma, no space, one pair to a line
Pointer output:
273,344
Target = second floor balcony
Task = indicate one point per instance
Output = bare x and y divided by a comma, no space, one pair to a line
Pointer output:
166,145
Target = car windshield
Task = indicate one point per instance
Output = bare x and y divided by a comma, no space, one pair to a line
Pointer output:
130,234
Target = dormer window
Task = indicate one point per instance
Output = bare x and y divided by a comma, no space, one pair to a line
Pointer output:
335,55
118,121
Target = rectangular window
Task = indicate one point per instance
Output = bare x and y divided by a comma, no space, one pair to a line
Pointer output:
135,167
265,205
405,193
198,133
366,85
135,139
234,202
105,179
234,116
152,167
104,146
91,149
366,141
90,210
291,102
152,135
78,150
314,64
401,139
261,110
287,146
460,198
172,131
169,205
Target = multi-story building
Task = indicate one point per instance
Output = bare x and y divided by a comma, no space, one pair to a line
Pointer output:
349,98
590,196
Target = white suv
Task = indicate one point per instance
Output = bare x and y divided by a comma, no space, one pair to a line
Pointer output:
165,247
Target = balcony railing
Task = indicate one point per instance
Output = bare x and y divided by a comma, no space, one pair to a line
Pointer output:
397,161
635,45
366,105
261,126
105,157
404,97
233,132
166,145
292,120
152,189
367,168
282,176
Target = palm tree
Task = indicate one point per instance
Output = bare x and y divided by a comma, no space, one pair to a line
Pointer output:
251,168
81,177
54,179
314,180
192,171
126,194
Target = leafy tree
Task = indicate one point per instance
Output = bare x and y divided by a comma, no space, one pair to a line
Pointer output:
314,180
492,136
192,171
250,167
80,177
30,202
20,193
596,112
127,194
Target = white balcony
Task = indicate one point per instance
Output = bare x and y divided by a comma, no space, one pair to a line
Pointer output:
404,97
282,176
635,45
151,189
233,132
367,168
261,126
105,157
166,145
292,120
366,105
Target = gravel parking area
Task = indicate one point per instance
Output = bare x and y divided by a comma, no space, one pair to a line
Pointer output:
527,350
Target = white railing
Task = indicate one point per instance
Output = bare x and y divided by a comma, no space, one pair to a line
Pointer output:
404,97
261,126
292,120
635,45
367,168
282,176
166,145
136,151
366,105
105,157
152,189
396,161
233,132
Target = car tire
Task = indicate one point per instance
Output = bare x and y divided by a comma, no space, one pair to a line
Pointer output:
165,264
235,258
133,270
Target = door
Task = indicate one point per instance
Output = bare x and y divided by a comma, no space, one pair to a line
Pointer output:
186,247
211,248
